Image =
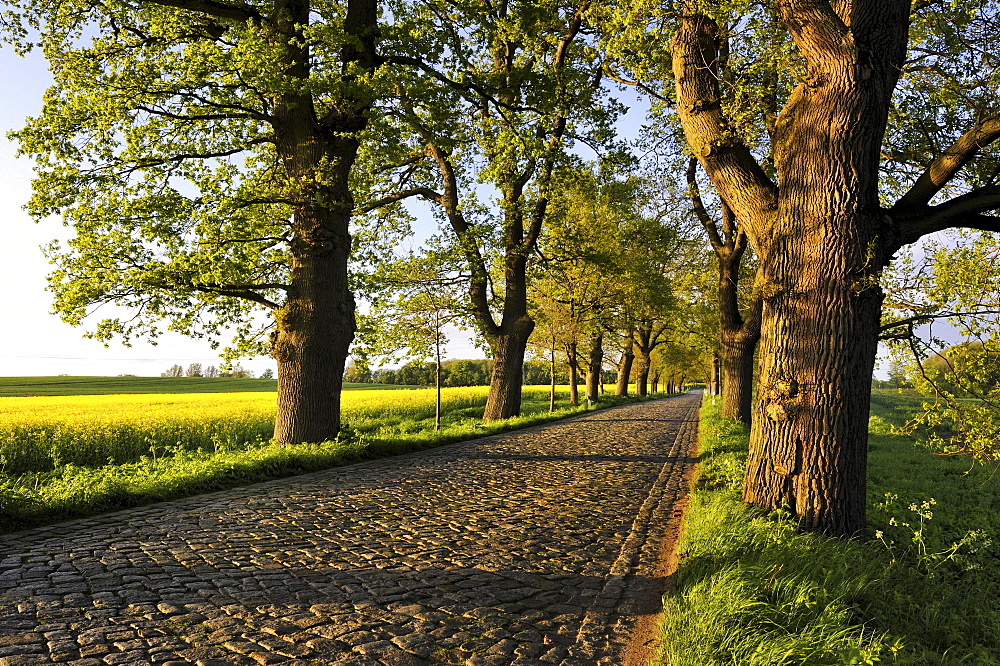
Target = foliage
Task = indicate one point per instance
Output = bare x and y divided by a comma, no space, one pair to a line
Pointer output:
945,289
608,256
421,295
484,131
752,589
159,144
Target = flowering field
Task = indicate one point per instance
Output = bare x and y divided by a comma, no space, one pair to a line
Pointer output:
69,456
38,434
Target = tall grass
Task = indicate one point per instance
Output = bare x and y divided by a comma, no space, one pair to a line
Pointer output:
753,590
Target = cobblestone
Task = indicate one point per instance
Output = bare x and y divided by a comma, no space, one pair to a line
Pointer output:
530,547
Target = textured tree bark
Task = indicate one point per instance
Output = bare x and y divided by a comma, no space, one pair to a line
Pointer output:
573,363
315,326
821,239
625,368
736,369
738,337
808,448
504,398
595,366
642,374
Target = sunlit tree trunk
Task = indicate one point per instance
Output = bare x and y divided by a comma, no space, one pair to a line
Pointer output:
573,363
625,367
315,326
818,239
595,366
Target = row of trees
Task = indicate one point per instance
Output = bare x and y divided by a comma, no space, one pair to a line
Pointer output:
195,370
462,372
224,163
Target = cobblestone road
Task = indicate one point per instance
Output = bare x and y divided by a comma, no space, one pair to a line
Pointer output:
532,547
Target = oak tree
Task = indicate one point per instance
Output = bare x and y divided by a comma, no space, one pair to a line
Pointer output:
819,226
202,151
497,107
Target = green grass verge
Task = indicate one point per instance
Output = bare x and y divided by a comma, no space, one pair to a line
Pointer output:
72,491
754,591
32,386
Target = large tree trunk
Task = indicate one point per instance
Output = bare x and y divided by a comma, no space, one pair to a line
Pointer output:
716,375
504,399
642,373
573,363
737,365
315,326
819,239
625,368
314,331
808,446
595,367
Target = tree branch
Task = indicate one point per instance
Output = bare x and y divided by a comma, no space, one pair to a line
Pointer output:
819,33
637,84
943,168
966,211
738,178
699,207
424,192
456,85
241,291
916,319
195,156
222,10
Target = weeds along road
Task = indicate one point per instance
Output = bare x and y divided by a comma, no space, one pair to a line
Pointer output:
531,547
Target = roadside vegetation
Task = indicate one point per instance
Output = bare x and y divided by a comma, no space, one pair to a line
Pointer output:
752,589
71,456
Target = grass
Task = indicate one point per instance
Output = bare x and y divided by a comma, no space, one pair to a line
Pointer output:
66,457
753,590
38,386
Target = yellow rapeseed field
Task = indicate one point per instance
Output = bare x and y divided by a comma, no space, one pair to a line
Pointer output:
42,433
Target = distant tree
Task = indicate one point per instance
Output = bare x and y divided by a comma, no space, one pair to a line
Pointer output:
899,376
267,374
530,88
424,296
384,376
467,373
194,370
211,371
415,374
358,372
238,372
536,372
174,371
